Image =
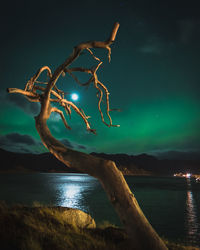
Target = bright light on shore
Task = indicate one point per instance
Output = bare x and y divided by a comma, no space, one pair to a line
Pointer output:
188,175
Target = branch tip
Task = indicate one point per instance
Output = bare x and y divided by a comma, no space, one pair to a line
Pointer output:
114,32
92,131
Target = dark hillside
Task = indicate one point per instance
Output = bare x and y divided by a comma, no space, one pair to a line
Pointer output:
150,164
31,162
129,164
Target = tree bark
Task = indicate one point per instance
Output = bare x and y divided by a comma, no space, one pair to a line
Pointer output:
141,233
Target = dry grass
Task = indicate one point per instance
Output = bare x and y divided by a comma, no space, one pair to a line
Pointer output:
42,228
36,228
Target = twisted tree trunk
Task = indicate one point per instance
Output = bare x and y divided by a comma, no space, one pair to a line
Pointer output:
141,233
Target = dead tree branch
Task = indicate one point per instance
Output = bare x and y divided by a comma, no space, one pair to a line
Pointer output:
41,91
141,233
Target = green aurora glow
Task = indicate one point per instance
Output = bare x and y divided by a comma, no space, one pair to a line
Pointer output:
153,76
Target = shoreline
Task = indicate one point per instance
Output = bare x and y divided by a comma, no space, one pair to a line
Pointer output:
46,228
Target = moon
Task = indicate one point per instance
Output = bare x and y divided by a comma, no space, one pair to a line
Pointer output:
74,96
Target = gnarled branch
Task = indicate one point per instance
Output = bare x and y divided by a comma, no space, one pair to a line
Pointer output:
35,92
141,233
54,109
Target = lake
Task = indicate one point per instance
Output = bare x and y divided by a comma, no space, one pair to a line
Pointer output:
171,204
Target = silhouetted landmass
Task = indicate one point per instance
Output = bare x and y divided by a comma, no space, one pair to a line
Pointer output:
46,162
129,164
144,163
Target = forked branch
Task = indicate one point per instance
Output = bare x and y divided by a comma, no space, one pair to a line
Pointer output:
47,92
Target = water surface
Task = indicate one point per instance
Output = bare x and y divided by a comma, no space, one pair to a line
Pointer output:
172,205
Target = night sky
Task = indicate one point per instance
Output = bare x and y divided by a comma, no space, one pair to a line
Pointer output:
153,77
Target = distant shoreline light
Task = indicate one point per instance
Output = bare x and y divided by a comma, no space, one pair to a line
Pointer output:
74,96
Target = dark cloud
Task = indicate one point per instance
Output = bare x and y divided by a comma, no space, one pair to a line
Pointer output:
27,144
67,143
25,139
31,108
178,155
19,100
75,146
82,147
20,143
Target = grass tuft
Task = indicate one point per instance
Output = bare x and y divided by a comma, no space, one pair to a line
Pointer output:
43,228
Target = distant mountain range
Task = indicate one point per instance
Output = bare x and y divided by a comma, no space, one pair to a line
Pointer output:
18,162
129,164
147,164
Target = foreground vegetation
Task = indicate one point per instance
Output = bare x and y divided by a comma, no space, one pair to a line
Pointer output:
41,228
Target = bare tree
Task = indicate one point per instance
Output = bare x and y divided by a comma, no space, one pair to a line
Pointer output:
141,233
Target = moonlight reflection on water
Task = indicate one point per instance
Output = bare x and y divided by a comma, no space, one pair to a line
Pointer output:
171,204
71,195
72,189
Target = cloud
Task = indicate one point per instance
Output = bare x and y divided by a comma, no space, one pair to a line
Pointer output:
193,154
67,143
16,142
54,117
27,106
188,30
74,145
153,45
81,147
23,143
26,139
31,108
